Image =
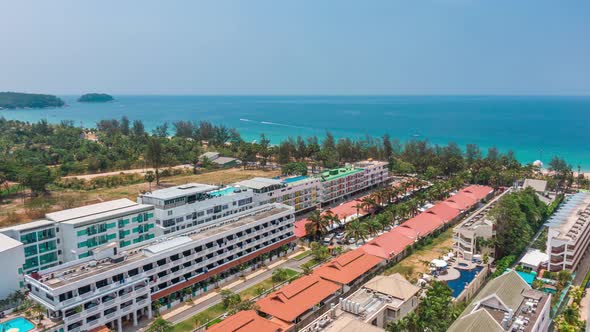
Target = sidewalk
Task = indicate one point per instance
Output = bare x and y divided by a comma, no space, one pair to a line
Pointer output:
203,302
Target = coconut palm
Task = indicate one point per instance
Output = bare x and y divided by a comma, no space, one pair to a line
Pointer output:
330,217
358,206
368,204
373,226
356,230
385,219
316,226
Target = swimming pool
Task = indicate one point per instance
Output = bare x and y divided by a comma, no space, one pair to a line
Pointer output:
294,179
20,323
529,277
463,264
222,192
465,277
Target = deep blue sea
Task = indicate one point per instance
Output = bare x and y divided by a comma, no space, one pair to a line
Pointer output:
533,127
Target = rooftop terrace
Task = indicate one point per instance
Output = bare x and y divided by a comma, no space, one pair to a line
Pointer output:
180,191
91,213
336,173
78,270
571,217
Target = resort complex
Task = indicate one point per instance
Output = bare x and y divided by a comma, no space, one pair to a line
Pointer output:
506,303
569,233
120,262
104,264
349,292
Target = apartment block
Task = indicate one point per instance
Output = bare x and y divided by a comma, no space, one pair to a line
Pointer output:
11,260
475,228
341,182
42,246
115,286
195,205
121,221
300,192
569,233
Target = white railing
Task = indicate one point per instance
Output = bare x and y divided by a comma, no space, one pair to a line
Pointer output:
111,315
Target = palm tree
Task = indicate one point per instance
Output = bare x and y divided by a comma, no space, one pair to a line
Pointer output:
330,217
215,279
368,203
403,210
160,325
156,305
385,219
373,226
358,206
356,230
279,275
316,226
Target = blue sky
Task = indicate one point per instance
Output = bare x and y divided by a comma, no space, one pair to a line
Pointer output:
296,47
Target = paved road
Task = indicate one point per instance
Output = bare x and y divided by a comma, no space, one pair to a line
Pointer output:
292,264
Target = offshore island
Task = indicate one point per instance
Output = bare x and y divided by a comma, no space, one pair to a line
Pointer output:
13,100
95,98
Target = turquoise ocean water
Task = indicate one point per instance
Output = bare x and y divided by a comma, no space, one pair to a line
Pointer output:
527,125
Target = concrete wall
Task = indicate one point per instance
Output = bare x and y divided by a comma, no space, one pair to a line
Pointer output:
11,261
471,290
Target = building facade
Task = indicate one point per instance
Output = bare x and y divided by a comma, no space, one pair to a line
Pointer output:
300,192
115,286
569,233
42,246
342,182
11,259
195,205
121,221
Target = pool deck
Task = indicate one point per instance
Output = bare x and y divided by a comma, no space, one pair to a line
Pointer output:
452,274
453,270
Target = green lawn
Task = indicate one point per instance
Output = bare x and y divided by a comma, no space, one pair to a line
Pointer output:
199,319
266,284
302,255
217,310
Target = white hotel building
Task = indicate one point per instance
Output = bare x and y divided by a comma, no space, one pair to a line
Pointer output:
116,287
569,233
194,205
300,192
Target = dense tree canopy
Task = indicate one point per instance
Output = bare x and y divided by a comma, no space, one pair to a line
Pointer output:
518,216
122,144
28,100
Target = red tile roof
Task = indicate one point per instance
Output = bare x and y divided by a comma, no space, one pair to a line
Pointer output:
343,211
461,201
389,244
424,223
300,227
246,321
293,300
347,267
444,211
407,232
479,192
